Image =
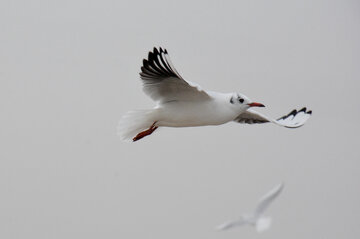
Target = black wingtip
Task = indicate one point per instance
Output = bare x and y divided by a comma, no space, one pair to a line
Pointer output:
156,65
150,56
158,50
303,110
294,112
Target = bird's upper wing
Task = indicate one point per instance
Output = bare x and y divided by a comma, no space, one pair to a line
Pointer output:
231,224
163,83
294,119
265,201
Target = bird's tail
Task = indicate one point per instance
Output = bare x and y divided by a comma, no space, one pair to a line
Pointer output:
263,223
134,122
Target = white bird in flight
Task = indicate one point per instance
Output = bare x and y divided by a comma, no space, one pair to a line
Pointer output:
182,103
256,218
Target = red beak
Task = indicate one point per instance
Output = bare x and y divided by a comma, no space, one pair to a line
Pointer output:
255,104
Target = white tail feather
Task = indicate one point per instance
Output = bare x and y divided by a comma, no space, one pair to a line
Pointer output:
133,122
263,223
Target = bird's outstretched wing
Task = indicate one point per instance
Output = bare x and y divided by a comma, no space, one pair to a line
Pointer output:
266,200
230,224
163,83
294,119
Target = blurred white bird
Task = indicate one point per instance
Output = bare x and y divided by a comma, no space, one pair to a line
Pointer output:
181,103
256,218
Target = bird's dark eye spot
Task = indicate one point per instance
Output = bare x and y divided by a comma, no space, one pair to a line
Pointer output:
241,100
231,100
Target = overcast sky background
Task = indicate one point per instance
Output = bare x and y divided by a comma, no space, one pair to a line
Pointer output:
69,71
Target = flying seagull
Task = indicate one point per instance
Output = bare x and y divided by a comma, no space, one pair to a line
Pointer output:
256,219
182,103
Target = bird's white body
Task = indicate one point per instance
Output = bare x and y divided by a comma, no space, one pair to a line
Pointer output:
182,103
214,111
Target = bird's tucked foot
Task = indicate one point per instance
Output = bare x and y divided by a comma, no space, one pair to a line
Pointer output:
145,132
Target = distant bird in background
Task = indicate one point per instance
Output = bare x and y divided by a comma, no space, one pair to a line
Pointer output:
256,219
181,103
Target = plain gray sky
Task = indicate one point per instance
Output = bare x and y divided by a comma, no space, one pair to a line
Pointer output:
69,71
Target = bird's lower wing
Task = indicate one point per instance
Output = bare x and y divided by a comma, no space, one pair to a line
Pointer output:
163,83
231,224
294,119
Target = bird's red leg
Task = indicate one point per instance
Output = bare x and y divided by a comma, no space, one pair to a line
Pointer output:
145,132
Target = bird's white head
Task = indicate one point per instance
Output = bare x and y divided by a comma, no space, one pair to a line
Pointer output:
242,102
